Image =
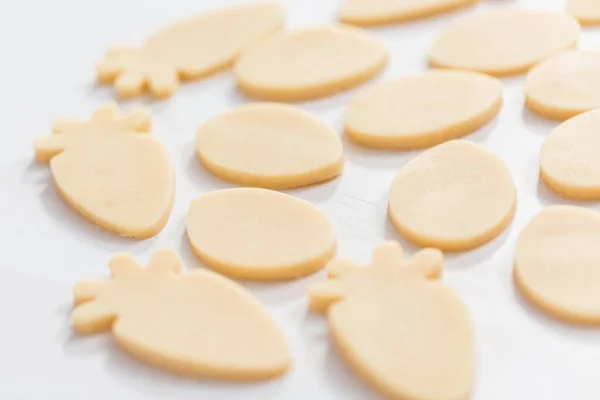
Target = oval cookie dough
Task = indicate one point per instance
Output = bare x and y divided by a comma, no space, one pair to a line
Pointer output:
557,263
570,158
586,11
310,63
504,42
259,234
269,145
376,12
455,196
565,85
423,110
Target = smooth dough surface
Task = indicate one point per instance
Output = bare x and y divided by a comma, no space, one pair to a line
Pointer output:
189,49
557,263
398,325
310,63
570,158
455,196
586,11
504,42
259,234
198,324
565,85
270,145
422,110
111,171
375,12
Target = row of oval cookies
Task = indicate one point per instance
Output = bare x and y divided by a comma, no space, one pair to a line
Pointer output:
118,176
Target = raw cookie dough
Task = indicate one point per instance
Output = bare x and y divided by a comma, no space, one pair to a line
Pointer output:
259,234
190,49
565,85
455,196
198,324
586,11
557,263
269,145
111,171
310,63
570,158
422,110
504,42
376,12
398,325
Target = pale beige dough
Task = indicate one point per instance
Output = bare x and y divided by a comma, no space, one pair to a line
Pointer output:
198,324
504,42
570,158
376,12
565,85
398,325
111,171
586,11
557,263
422,110
190,49
259,234
269,145
310,63
455,196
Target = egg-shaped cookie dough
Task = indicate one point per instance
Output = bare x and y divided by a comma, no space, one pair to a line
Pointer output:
455,196
310,63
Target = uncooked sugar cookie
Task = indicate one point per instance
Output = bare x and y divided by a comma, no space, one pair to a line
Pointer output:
422,110
455,196
565,85
376,12
199,324
269,145
398,325
190,49
570,158
586,11
310,63
557,263
504,42
111,171
259,234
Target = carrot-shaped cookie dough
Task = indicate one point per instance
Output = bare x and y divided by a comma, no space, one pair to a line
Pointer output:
398,326
190,49
198,324
111,171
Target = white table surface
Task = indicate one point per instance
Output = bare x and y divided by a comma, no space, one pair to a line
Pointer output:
49,49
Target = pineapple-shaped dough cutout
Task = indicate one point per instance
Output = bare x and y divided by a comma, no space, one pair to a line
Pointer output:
198,324
398,325
190,49
111,171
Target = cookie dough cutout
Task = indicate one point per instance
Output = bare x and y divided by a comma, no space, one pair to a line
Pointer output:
310,63
423,110
111,171
504,42
259,234
557,263
586,11
198,324
399,306
189,50
565,85
570,158
269,145
379,12
456,196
